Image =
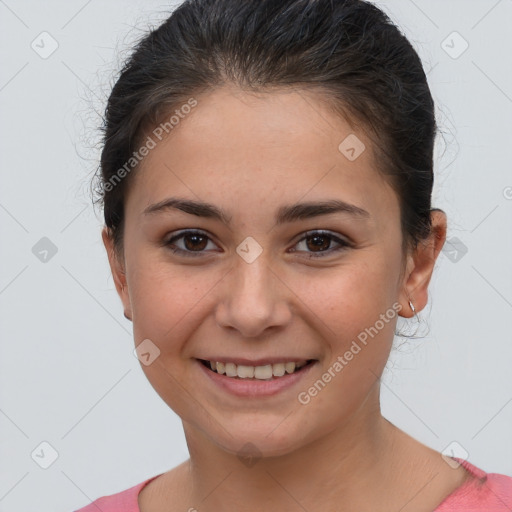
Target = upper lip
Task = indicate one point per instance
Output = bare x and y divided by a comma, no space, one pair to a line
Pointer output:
256,362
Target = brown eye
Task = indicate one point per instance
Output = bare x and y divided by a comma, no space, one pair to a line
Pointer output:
318,243
194,243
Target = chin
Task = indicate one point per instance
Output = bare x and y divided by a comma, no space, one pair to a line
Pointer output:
261,439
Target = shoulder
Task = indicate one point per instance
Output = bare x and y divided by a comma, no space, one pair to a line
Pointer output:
489,492
123,501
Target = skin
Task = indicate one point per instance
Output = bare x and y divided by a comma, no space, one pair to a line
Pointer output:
250,154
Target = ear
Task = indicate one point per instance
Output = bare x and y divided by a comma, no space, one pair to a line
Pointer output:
420,266
118,272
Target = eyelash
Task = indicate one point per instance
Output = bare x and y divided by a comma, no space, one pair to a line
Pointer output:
309,234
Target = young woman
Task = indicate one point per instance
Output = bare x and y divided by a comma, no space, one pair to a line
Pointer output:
266,179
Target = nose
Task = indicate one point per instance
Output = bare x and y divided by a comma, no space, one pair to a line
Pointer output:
254,299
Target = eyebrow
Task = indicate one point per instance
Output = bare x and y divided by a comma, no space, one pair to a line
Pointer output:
288,213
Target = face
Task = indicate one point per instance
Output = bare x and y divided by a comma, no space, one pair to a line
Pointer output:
262,285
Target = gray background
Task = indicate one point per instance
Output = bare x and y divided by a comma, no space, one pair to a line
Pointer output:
68,374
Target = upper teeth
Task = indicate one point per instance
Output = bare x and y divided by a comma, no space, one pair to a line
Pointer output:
256,372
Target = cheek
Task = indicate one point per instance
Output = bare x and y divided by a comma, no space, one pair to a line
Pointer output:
166,299
348,298
359,339
358,321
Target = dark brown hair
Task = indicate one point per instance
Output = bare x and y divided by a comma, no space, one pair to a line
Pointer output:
348,50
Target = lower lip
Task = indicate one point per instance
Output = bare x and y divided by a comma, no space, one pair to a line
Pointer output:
255,387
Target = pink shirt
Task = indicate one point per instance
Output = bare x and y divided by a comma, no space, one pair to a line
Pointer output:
486,492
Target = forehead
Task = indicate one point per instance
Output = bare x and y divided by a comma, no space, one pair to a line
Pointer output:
268,147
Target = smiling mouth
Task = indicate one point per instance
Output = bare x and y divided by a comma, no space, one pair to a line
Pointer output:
266,372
